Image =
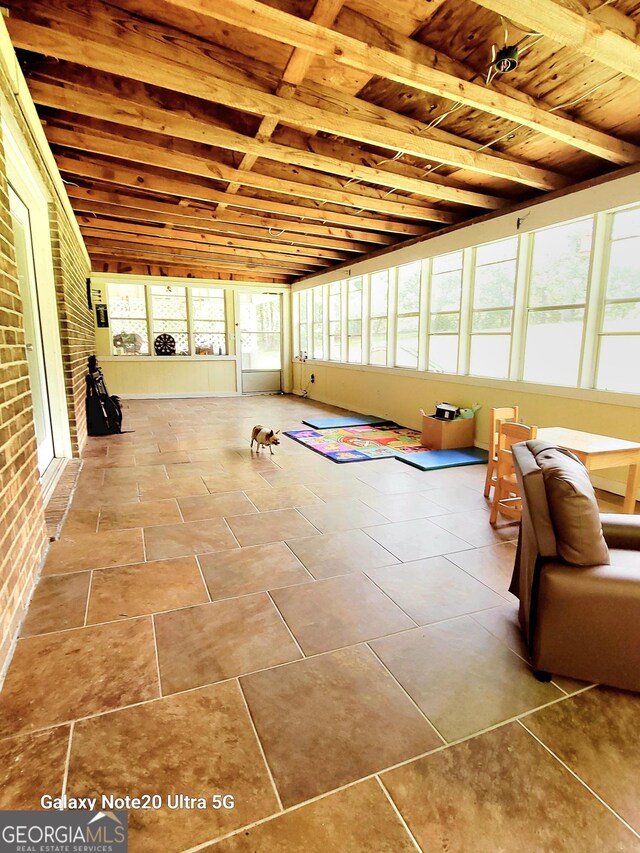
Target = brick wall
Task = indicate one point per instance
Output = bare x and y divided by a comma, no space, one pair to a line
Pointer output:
23,537
22,528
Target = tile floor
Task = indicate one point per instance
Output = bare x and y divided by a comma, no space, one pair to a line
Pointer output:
333,645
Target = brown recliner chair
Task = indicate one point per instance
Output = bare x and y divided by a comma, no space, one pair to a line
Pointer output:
577,573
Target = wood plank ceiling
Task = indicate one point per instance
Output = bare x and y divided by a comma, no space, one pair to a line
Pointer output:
264,141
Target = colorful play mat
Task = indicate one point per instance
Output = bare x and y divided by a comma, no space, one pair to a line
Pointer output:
366,442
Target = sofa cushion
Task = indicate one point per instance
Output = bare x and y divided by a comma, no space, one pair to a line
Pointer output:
573,508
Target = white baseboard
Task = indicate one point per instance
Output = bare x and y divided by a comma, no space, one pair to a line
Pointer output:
180,395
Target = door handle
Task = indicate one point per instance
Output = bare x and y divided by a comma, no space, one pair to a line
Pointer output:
29,347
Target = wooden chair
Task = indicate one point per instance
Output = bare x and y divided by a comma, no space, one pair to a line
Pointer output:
506,495
496,416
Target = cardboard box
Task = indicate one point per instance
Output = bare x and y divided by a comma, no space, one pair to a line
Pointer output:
439,434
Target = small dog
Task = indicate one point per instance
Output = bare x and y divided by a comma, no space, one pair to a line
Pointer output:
265,437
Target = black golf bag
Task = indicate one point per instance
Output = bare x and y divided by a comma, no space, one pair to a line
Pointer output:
104,415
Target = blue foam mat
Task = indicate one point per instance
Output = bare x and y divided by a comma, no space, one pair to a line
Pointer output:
345,422
430,460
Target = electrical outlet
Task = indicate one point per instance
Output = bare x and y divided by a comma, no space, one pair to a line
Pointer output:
313,378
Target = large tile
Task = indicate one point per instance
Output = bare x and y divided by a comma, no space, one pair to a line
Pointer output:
193,537
95,495
58,677
145,514
337,515
415,540
403,507
143,588
200,743
253,569
275,526
502,791
141,474
462,677
332,719
474,527
80,551
282,497
173,489
348,488
200,645
215,506
30,766
392,483
492,566
596,735
154,457
434,589
459,498
232,482
81,521
338,612
59,602
338,553
193,469
358,819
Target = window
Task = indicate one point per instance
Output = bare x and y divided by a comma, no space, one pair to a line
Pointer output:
408,315
378,317
208,318
169,315
317,323
354,320
557,298
128,318
303,308
444,312
260,331
492,319
619,341
335,321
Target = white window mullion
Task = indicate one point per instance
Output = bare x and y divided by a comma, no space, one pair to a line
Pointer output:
343,321
521,296
325,321
466,308
366,316
423,320
596,291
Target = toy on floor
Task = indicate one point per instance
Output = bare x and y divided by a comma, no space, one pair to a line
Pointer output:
264,437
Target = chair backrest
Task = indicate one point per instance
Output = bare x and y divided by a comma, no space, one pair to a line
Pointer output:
537,526
510,434
496,416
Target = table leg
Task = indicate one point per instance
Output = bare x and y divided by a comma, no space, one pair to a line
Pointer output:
632,489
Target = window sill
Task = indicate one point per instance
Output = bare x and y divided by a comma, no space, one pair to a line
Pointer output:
169,358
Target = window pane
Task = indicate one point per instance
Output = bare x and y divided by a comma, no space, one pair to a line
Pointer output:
378,341
304,338
494,321
491,253
443,353
335,321
618,363
169,315
127,316
335,342
209,324
379,293
446,289
260,351
560,269
490,355
622,317
318,304
624,269
318,321
318,341
554,339
354,349
409,288
354,298
446,263
445,323
407,342
626,224
494,285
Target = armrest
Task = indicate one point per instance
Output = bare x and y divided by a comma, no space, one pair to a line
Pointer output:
621,531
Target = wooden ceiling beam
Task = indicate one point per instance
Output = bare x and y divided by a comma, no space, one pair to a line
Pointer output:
107,106
106,264
149,249
149,154
128,62
572,26
188,212
289,29
170,184
97,227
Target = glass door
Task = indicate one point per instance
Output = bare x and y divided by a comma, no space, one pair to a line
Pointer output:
32,329
260,341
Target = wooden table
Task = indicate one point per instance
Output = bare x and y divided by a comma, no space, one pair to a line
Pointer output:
600,451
